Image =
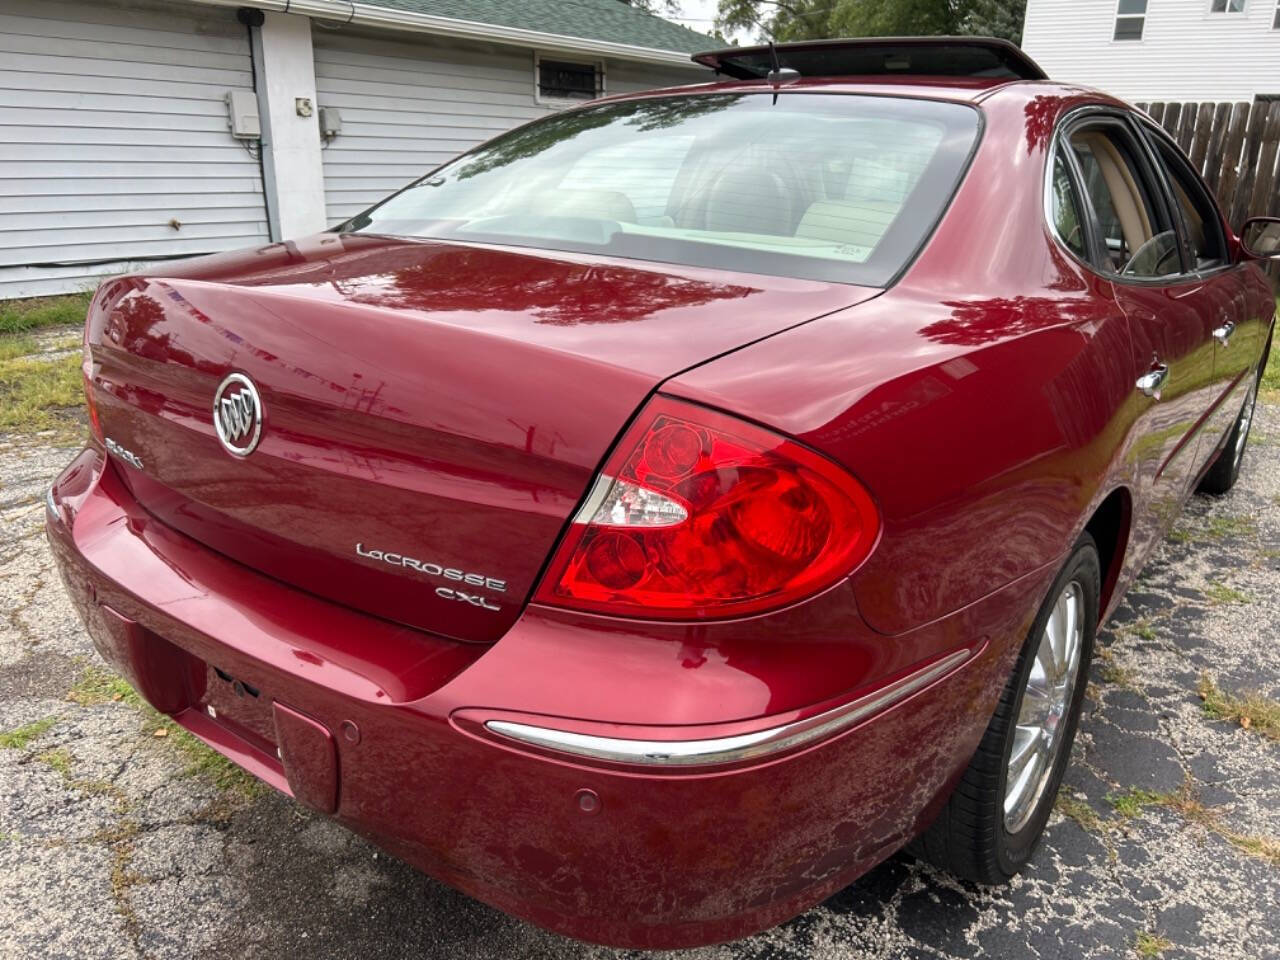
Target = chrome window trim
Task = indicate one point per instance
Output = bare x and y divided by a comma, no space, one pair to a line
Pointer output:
722,750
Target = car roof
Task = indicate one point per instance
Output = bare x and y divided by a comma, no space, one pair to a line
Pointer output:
972,90
958,69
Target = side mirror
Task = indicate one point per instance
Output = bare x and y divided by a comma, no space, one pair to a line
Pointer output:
1260,238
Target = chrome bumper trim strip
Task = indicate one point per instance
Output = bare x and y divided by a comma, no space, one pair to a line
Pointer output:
720,750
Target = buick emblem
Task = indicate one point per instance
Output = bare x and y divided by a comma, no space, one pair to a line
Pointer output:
237,414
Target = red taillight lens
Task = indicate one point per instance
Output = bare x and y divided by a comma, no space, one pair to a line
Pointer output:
698,514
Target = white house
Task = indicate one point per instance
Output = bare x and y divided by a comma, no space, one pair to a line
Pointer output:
1149,50
137,130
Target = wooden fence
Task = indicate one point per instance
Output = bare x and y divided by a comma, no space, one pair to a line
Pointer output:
1234,145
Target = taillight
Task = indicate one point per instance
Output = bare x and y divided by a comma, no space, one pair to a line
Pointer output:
698,514
91,403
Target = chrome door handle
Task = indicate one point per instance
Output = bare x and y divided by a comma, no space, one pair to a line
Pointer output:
1224,332
1149,383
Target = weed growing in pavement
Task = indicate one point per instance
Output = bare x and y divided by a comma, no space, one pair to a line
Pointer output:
1253,711
100,685
1148,944
18,739
1220,593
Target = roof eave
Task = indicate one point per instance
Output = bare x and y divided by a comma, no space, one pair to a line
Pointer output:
371,15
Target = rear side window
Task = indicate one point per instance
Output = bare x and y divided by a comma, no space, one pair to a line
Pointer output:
1203,226
1068,221
834,187
1137,238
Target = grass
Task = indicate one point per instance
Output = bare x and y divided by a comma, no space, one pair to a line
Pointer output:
13,346
59,760
1116,675
19,738
1226,525
1269,389
99,685
1130,803
1252,711
1144,629
37,395
1080,812
1148,944
1186,803
206,763
1221,527
1111,672
1183,801
1222,594
22,316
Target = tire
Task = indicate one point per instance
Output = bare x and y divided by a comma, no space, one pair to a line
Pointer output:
975,837
1224,473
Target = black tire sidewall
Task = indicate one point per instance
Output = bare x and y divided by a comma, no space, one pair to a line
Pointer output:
1014,850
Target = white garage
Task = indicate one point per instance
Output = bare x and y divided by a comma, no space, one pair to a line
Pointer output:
114,145
406,107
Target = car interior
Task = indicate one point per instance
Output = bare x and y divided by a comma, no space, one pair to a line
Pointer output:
807,187
1138,233
1139,240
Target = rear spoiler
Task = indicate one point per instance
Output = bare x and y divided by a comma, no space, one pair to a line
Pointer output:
878,56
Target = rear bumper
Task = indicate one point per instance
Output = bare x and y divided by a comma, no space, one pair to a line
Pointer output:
406,739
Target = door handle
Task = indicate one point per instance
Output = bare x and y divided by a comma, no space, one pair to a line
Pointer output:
1224,332
1150,382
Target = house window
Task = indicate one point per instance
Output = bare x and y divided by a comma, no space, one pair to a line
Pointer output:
567,80
1227,6
1131,16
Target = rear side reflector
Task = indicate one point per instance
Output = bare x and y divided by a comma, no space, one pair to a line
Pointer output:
698,514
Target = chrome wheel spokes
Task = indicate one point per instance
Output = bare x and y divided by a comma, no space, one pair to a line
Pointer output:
1042,714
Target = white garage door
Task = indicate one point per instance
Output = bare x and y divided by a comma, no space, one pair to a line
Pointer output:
114,147
408,107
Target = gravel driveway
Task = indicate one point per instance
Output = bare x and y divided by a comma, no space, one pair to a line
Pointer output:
120,838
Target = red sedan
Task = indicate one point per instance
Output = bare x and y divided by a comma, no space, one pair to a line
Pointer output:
657,516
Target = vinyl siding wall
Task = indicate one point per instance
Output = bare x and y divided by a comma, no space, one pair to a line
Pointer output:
112,124
408,107
1186,52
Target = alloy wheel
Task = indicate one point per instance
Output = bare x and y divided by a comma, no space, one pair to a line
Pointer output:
1042,716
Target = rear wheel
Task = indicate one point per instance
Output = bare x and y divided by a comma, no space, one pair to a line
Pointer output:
1225,471
997,813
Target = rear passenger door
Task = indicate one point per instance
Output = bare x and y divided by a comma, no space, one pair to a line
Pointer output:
1132,237
1222,286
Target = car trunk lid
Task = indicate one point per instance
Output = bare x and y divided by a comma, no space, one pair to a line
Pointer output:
432,413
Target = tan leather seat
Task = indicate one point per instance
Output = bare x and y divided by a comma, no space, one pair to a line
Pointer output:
1125,195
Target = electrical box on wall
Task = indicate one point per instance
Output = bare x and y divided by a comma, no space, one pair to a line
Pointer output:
330,122
242,115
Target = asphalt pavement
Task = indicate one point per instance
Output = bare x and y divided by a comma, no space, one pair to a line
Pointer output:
118,842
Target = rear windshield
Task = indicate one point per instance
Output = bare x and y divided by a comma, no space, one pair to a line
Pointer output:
820,186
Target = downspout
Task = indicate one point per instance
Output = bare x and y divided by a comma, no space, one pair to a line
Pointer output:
253,20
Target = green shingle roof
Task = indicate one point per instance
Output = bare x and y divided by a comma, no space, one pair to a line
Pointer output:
612,21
